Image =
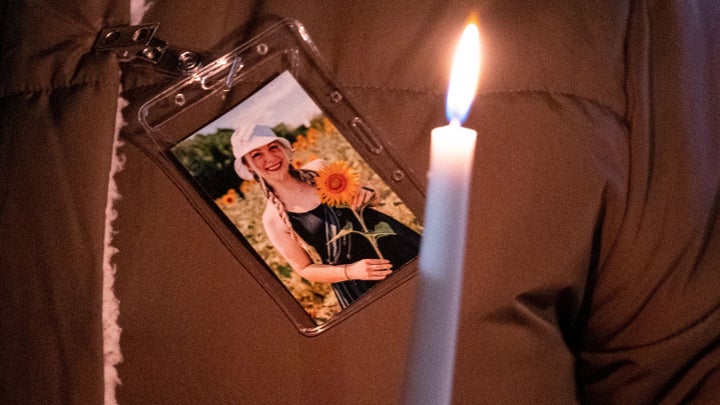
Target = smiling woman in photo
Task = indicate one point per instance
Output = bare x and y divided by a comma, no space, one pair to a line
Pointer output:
300,219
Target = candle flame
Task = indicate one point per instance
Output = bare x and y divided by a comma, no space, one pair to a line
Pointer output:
464,75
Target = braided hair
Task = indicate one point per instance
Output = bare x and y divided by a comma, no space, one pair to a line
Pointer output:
305,176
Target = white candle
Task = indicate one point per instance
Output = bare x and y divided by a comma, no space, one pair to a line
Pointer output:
442,250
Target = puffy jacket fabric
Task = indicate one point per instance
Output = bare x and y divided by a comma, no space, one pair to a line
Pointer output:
592,268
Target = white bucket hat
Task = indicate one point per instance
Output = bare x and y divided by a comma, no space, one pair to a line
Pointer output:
247,138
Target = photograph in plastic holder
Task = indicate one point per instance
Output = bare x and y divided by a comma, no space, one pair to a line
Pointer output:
319,217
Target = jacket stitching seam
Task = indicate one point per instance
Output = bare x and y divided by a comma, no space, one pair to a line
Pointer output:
20,92
495,92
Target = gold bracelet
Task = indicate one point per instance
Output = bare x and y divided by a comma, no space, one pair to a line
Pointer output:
345,271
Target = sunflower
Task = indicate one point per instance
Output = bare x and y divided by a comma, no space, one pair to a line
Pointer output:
230,197
247,186
328,126
311,135
337,183
301,143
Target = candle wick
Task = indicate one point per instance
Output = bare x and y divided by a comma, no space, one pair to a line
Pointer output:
455,122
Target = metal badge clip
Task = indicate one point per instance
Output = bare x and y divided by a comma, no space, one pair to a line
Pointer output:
131,41
138,42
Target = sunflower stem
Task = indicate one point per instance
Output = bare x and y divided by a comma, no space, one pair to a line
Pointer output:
366,232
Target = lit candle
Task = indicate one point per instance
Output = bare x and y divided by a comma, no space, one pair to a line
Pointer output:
442,250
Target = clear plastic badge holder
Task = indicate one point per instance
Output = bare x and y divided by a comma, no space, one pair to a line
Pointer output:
277,80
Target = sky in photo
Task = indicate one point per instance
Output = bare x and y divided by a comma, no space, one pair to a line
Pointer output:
281,101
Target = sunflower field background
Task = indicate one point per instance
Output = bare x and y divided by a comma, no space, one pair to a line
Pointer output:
209,159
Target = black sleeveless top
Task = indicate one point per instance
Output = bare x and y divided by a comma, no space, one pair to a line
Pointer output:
319,225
